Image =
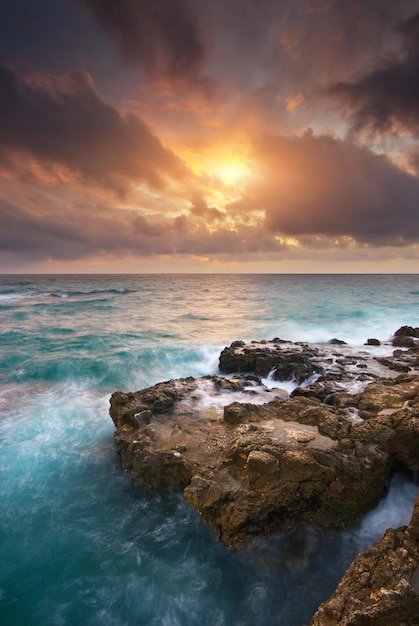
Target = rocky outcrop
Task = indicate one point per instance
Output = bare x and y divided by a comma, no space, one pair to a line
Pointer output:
405,337
381,587
322,370
253,460
407,331
251,466
281,358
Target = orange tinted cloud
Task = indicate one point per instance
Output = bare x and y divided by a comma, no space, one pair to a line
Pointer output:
293,102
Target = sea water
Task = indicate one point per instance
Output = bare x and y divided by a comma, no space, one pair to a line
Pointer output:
80,543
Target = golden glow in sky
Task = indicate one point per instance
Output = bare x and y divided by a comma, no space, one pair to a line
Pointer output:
230,134
231,170
228,163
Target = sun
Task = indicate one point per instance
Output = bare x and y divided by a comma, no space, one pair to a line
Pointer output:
226,168
231,171
221,172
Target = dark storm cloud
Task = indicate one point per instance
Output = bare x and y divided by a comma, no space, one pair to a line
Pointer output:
69,123
389,94
319,186
274,60
159,35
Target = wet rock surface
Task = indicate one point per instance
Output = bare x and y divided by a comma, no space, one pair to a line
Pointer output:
253,460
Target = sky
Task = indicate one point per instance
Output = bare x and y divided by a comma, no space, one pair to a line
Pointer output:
194,136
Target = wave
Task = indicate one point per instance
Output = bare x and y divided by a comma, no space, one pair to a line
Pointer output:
92,292
13,296
194,317
6,297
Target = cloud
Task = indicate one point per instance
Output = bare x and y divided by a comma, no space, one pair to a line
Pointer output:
316,186
200,208
46,227
316,198
66,121
387,97
272,61
160,36
413,160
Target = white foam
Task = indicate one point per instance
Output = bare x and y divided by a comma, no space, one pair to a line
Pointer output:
6,297
352,415
286,385
207,396
393,511
354,331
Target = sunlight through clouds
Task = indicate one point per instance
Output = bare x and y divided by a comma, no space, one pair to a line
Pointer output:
241,132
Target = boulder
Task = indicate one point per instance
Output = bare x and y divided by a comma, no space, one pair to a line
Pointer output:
405,336
407,331
403,341
373,342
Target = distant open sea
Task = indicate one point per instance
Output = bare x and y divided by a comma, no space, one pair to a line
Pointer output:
80,543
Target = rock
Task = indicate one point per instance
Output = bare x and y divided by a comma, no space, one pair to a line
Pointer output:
325,371
337,342
261,468
283,360
373,342
407,331
390,395
253,461
381,587
404,337
403,342
251,469
238,413
397,365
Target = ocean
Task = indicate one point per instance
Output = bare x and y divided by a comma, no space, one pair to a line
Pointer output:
80,543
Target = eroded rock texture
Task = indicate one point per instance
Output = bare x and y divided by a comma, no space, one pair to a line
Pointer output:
381,587
254,467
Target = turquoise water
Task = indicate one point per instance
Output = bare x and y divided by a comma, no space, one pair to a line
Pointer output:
80,544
